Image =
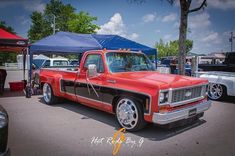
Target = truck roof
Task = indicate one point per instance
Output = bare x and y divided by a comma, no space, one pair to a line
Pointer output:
105,51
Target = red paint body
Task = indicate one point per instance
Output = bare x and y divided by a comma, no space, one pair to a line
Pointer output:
147,82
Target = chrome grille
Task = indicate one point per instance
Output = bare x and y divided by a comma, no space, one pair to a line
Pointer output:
186,94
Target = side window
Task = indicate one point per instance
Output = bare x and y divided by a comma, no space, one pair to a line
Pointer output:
95,59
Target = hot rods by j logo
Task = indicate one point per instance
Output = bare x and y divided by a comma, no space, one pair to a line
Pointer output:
117,140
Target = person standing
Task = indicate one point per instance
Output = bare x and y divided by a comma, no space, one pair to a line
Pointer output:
3,75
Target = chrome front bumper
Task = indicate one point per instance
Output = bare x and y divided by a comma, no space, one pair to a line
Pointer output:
165,118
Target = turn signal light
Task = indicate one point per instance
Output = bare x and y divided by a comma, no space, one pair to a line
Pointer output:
165,108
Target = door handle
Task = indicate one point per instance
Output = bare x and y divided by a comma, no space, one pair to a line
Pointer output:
111,81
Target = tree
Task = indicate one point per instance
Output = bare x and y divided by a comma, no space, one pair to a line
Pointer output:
7,28
81,23
162,48
66,19
171,48
40,27
174,46
6,56
62,12
184,12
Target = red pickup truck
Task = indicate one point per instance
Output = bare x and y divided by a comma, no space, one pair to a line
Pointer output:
126,84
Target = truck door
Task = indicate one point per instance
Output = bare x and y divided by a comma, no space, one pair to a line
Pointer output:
90,88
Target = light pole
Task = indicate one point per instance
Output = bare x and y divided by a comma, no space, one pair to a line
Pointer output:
53,24
231,40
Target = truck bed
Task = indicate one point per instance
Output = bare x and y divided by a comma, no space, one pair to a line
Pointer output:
63,68
213,67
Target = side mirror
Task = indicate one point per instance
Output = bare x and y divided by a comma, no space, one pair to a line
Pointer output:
92,70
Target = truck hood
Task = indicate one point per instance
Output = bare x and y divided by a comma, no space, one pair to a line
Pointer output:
156,79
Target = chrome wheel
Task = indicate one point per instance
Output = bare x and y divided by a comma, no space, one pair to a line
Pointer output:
127,113
47,93
215,91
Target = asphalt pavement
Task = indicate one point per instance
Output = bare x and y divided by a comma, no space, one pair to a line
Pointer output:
69,128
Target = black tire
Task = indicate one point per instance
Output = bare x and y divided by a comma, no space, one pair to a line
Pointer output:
138,121
217,96
48,95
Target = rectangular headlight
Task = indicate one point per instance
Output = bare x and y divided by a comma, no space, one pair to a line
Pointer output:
204,90
163,97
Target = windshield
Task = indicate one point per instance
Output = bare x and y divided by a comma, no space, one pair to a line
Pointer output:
126,62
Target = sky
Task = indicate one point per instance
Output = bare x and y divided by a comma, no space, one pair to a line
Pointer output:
145,22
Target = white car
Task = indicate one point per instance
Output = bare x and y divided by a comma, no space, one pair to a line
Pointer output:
221,84
56,62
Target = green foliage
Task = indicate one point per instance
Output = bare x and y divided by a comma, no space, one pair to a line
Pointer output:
62,12
7,28
7,56
171,48
72,57
40,27
66,19
82,23
162,48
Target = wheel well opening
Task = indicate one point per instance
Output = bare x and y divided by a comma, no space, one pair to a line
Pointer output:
41,84
118,97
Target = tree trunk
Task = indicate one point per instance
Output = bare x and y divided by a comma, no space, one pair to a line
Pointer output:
182,36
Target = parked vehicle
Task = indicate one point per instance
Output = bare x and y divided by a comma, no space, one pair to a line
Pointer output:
41,63
221,84
172,62
221,77
46,63
215,64
126,84
4,151
74,63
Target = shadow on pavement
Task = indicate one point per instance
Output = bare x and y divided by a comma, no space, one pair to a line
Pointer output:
8,93
155,133
151,131
228,99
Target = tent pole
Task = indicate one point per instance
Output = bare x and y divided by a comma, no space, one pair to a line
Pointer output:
155,60
30,68
24,61
29,85
80,57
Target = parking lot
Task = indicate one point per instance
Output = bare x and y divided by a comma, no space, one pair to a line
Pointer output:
71,129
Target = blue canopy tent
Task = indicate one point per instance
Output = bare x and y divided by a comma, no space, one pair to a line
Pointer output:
72,43
67,42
